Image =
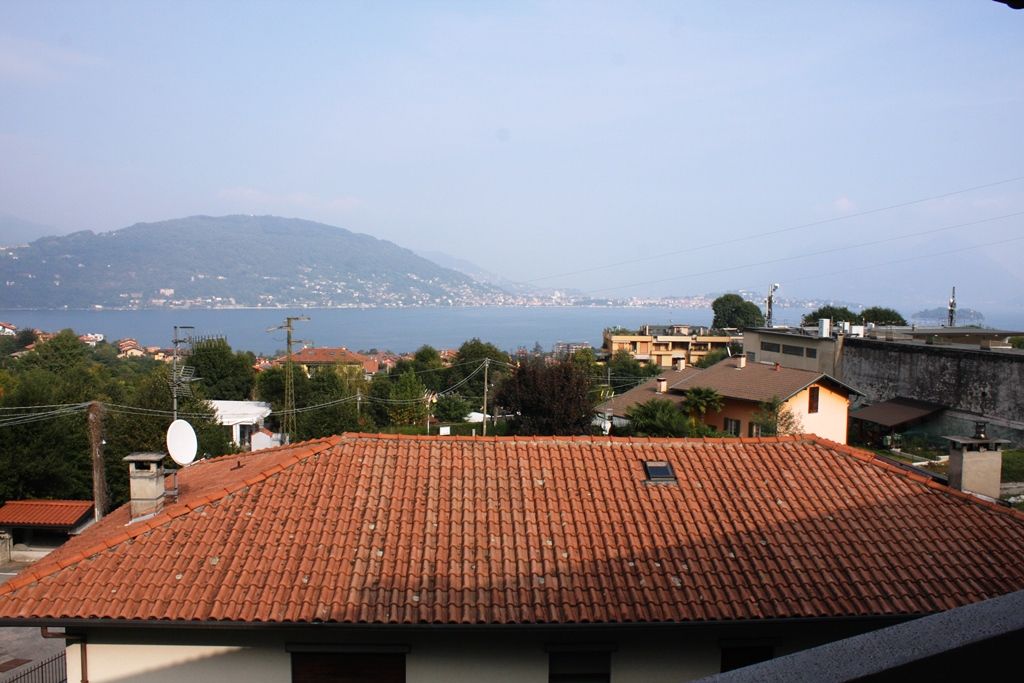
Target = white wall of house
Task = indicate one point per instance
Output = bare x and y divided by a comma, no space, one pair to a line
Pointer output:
831,419
659,655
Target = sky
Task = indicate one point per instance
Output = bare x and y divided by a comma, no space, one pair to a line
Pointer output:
622,149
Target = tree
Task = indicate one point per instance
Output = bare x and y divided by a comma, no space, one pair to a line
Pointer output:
626,371
711,358
548,399
833,313
223,374
731,310
882,316
1017,342
407,400
775,418
699,402
427,364
468,358
451,408
335,417
658,417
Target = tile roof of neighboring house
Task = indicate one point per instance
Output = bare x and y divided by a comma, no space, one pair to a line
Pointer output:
378,529
897,411
757,381
618,405
44,513
327,355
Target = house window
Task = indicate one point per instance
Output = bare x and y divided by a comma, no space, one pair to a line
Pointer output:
792,350
769,346
732,426
580,667
347,667
811,353
753,429
738,656
812,400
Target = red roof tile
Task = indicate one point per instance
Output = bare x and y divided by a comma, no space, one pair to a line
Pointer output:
331,356
756,381
48,513
407,530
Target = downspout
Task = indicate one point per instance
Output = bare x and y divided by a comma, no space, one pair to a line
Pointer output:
44,631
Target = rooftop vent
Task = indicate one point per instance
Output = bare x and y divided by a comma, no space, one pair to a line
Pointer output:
659,470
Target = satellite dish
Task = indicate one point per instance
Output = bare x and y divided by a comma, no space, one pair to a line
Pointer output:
181,442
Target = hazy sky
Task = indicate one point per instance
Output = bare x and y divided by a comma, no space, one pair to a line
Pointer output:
539,139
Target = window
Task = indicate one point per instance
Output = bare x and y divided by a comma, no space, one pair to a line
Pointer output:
738,656
732,426
753,429
347,667
659,470
811,353
812,400
769,346
751,356
580,667
792,350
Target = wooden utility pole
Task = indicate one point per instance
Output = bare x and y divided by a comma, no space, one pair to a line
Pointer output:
487,362
99,477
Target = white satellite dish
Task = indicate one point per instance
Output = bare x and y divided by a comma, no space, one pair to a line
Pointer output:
181,442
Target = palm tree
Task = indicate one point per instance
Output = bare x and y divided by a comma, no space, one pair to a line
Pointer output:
699,402
658,417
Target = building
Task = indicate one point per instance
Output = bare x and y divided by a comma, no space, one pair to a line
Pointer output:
818,403
7,330
318,358
33,528
952,376
667,345
244,418
392,558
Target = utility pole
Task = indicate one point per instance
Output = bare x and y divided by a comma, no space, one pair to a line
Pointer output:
99,477
487,362
288,414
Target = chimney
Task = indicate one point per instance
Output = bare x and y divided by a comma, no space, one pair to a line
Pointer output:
146,483
742,362
976,463
662,385
681,364
824,327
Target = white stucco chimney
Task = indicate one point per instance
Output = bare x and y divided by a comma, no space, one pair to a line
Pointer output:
145,483
741,362
662,385
824,328
976,463
681,364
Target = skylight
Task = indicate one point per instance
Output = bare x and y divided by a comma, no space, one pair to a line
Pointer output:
659,470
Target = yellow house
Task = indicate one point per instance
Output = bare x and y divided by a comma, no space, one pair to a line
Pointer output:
818,403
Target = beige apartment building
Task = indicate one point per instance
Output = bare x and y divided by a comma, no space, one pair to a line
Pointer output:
666,345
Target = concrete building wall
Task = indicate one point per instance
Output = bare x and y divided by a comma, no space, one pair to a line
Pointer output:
985,383
825,350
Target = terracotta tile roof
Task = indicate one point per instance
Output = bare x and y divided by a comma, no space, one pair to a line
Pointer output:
422,530
47,513
331,355
897,411
757,381
618,405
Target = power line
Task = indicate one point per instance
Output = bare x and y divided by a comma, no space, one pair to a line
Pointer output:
821,252
779,231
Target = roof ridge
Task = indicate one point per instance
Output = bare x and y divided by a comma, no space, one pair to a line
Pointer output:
873,459
168,514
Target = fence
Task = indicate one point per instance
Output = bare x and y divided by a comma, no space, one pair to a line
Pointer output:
52,670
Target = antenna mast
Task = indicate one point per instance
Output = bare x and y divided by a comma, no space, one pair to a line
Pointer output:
288,414
951,318
180,378
769,303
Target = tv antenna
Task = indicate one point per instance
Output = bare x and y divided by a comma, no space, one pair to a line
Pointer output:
951,314
769,302
288,414
181,376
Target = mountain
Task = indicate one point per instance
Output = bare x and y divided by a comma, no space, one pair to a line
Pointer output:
228,261
14,230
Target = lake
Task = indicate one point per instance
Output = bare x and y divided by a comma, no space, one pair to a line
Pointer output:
397,329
